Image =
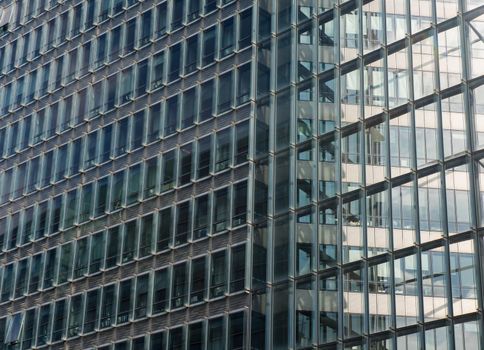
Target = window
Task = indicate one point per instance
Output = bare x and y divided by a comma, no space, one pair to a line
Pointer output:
145,35
96,98
175,62
227,39
195,336
42,216
117,6
21,281
216,334
50,262
65,263
126,86
171,115
43,328
198,280
239,204
182,223
218,276
236,330
208,46
157,72
206,100
61,163
168,178
60,317
129,36
177,340
186,155
28,332
106,145
76,152
164,229
101,50
154,123
225,92
112,86
108,306
146,235
138,343
242,146
223,151
221,210
122,135
97,252
129,241
124,301
75,316
244,84
179,289
134,184
35,270
237,269
245,31
151,177
157,341
142,78
70,208
91,312
210,5
201,221
102,196
177,15
303,328
13,230
117,190
81,257
141,298
189,108
113,246
85,210
161,13
193,10
90,150
14,329
104,11
160,291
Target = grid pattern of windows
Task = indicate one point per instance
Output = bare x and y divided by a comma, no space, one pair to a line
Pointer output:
367,203
238,174
124,144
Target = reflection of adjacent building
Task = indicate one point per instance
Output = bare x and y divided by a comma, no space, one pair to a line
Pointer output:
384,209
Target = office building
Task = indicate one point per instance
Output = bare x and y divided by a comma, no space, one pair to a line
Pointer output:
240,174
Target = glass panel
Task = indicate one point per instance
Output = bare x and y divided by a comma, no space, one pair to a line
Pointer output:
160,291
97,253
141,298
195,336
201,220
237,269
216,332
129,241
179,291
218,275
198,280
125,301
108,306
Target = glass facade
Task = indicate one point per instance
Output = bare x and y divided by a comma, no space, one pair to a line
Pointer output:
239,174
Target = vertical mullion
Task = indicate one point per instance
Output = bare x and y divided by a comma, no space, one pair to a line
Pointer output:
472,173
388,175
338,172
409,39
362,192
